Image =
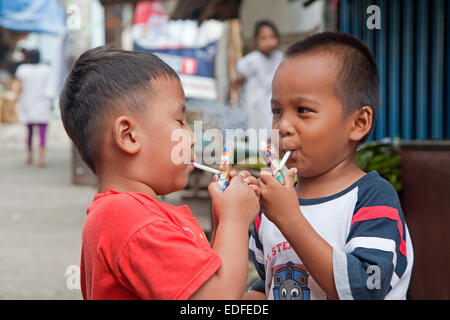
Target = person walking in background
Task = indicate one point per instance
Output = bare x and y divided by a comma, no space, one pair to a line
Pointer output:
35,106
255,71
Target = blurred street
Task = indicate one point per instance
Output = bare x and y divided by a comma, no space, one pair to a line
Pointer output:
41,217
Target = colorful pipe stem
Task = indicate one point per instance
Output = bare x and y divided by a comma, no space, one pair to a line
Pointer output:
225,168
270,156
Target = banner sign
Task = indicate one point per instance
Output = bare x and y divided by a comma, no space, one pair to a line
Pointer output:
188,48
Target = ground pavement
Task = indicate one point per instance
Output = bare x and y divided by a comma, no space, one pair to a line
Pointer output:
41,217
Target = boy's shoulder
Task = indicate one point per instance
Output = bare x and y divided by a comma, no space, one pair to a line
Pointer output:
119,204
375,190
118,215
250,61
370,190
116,218
255,54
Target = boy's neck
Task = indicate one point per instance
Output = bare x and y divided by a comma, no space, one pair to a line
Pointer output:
331,182
123,184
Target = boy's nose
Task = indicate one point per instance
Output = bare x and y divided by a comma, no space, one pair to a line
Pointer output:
191,133
285,127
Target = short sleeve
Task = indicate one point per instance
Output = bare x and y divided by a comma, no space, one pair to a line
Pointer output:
160,262
19,73
375,257
256,254
369,259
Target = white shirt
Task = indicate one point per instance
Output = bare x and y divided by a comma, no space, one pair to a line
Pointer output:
259,71
35,106
372,249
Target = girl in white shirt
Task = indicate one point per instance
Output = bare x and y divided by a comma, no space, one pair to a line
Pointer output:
256,71
35,106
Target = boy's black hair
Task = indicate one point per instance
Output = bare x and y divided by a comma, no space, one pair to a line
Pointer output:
101,81
358,81
265,23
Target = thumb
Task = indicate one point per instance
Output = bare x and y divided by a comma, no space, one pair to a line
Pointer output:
214,189
236,179
289,178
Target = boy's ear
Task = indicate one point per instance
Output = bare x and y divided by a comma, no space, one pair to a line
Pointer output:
125,135
362,122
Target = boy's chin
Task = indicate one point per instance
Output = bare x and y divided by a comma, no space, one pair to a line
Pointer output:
179,181
174,188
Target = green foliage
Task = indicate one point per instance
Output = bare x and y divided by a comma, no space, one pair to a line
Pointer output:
256,163
384,158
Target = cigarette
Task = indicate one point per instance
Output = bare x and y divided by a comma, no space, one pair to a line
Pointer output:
202,167
285,158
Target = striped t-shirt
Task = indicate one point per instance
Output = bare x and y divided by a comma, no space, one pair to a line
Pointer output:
372,249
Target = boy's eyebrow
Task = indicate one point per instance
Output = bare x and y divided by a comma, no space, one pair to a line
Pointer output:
274,101
304,99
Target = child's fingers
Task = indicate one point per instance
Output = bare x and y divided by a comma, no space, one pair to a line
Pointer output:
233,173
215,178
214,189
235,179
251,180
244,174
266,177
256,190
289,178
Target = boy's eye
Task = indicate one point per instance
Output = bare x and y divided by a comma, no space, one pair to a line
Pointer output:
181,122
303,110
276,111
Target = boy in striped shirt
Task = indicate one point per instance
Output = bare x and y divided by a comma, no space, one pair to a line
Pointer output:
339,233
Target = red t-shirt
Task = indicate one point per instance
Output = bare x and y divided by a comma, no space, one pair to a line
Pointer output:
134,247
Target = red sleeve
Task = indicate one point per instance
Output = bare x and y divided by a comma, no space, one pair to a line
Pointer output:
161,262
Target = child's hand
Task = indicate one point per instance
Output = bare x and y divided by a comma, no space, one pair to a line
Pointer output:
239,201
279,202
252,181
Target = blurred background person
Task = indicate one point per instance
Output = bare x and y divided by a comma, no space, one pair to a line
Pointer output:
35,106
255,73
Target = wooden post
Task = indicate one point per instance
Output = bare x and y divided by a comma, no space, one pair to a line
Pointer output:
234,54
113,24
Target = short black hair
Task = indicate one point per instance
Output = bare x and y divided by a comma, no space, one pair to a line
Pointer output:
358,81
103,80
265,23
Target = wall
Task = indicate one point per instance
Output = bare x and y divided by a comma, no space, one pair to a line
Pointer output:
412,50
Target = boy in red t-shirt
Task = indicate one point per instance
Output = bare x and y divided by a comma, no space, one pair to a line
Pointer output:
121,110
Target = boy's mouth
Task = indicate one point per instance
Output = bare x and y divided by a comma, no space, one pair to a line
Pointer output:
286,149
293,151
